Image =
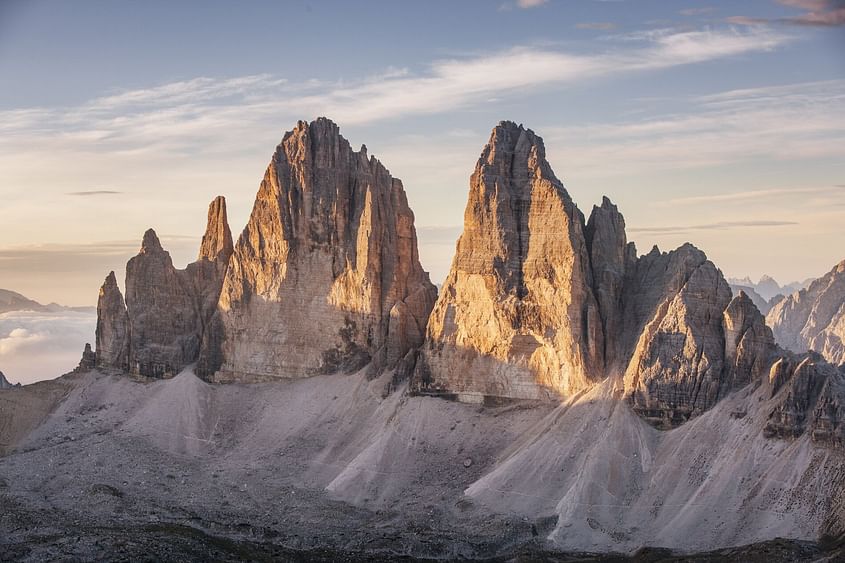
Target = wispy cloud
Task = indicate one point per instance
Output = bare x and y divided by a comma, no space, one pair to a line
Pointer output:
163,114
817,13
599,26
753,195
718,226
94,193
791,122
525,4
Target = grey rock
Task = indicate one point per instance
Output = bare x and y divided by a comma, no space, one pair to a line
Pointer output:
517,317
326,275
112,336
814,318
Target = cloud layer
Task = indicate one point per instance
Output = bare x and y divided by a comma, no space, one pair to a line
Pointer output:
38,346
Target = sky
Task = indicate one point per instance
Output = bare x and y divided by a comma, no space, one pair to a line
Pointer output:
720,123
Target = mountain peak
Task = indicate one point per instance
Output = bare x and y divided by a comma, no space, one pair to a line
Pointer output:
217,240
150,244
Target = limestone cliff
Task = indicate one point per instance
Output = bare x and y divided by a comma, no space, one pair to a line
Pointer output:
517,316
167,311
326,276
810,395
814,318
112,336
539,304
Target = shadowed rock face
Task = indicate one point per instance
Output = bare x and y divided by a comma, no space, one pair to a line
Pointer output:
326,275
814,318
112,337
4,383
517,316
811,398
160,328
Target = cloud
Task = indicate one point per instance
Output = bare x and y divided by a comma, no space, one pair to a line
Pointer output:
38,346
600,26
94,193
526,4
718,226
787,123
164,116
818,13
751,195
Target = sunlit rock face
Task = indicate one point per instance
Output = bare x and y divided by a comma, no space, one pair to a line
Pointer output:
160,328
540,304
814,318
326,275
517,316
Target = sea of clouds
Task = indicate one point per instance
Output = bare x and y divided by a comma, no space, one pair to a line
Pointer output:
35,346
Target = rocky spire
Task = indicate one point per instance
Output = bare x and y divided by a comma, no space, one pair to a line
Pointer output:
749,344
517,316
112,336
326,275
164,324
609,256
150,243
217,240
4,383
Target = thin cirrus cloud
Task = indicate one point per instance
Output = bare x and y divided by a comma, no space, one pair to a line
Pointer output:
195,108
89,193
750,195
788,122
718,226
598,26
817,13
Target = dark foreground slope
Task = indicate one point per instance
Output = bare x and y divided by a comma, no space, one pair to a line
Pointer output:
324,468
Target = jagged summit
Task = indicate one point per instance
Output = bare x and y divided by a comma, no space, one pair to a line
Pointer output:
540,303
326,275
516,317
150,243
217,240
4,383
159,328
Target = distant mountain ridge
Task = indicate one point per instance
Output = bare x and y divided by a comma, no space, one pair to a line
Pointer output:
13,301
814,318
767,287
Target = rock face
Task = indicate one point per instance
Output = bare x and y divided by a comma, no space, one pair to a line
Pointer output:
326,275
540,304
164,326
675,303
814,318
4,383
160,328
811,398
611,257
112,336
517,316
88,360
